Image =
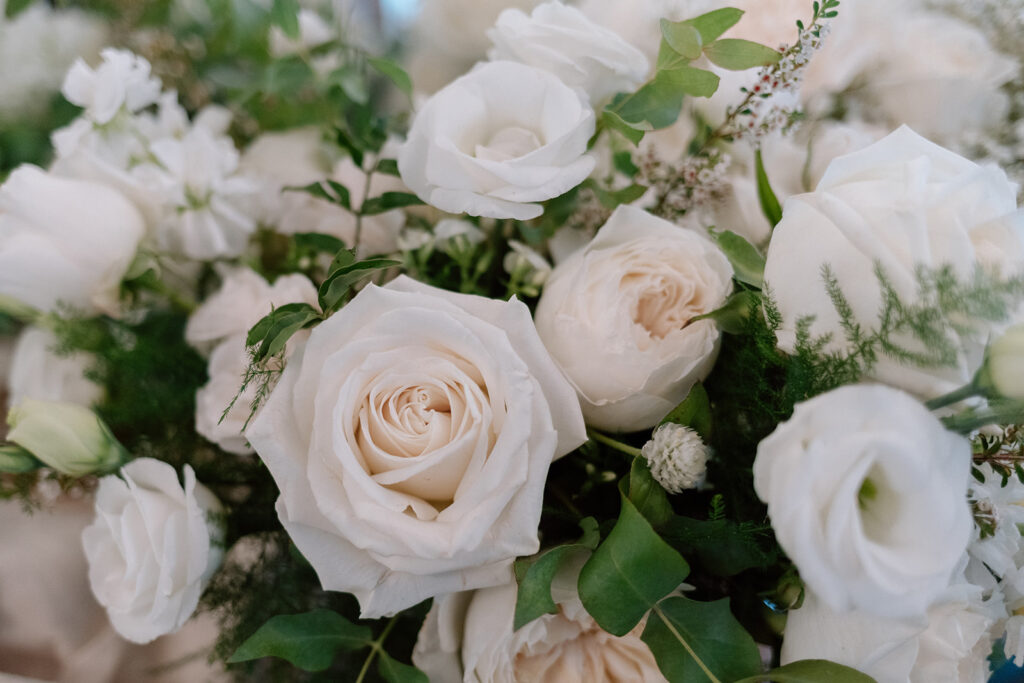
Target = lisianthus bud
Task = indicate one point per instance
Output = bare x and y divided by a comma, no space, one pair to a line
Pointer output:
1003,372
677,457
69,438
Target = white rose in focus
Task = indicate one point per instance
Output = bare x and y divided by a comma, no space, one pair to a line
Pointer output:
153,547
902,203
616,316
496,140
468,638
867,494
411,438
65,241
561,39
39,372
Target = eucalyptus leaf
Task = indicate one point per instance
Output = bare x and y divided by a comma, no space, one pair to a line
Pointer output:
747,262
811,671
629,573
633,133
393,72
765,195
308,641
388,201
623,162
393,671
694,411
683,38
613,198
736,54
700,641
713,24
657,103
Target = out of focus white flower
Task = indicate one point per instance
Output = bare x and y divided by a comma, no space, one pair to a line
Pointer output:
121,83
677,457
39,372
456,233
412,239
313,31
526,264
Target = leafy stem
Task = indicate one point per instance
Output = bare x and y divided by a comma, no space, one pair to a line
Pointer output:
615,444
682,641
968,390
362,203
375,647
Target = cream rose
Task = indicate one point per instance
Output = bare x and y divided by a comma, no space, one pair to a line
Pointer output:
152,548
902,202
468,638
411,438
562,40
617,317
65,241
867,494
496,140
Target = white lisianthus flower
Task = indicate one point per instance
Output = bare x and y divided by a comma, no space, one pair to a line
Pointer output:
1003,372
67,437
39,372
122,82
902,203
867,493
677,456
411,438
468,638
497,140
65,241
153,547
562,40
617,316
206,208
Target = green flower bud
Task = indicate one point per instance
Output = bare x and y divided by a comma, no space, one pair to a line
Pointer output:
69,438
1003,372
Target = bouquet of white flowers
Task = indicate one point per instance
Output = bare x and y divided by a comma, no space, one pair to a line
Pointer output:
646,341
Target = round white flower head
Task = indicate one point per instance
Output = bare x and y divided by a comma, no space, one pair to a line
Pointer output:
677,456
468,638
153,547
121,82
65,241
564,41
411,438
618,314
867,493
496,140
901,203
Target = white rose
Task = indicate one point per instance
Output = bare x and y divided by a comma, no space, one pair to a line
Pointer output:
496,140
902,202
617,314
152,548
867,494
39,372
243,298
948,645
411,438
564,41
468,638
64,241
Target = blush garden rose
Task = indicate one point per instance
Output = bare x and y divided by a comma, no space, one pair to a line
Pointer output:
411,438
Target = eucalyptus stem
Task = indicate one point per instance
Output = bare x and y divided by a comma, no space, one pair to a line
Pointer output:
968,390
971,421
615,444
375,647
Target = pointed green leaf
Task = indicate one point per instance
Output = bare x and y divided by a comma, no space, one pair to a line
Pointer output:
328,190
715,23
309,641
747,262
392,71
613,121
388,201
700,641
733,315
317,241
682,37
737,55
388,167
274,330
337,284
629,573
694,411
394,671
769,202
285,13
811,671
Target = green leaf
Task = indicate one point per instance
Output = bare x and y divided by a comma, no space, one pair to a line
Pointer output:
392,71
714,24
612,198
733,315
629,573
388,167
613,121
285,13
769,202
317,241
15,460
658,102
286,77
352,82
274,330
535,575
747,262
16,7
695,641
811,671
623,162
309,641
694,411
682,37
388,201
393,671
341,279
647,495
737,55
328,190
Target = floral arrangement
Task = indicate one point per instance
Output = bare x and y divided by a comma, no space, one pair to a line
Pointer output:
536,341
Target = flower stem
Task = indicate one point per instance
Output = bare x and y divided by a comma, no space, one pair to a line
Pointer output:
955,396
375,647
965,424
631,451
